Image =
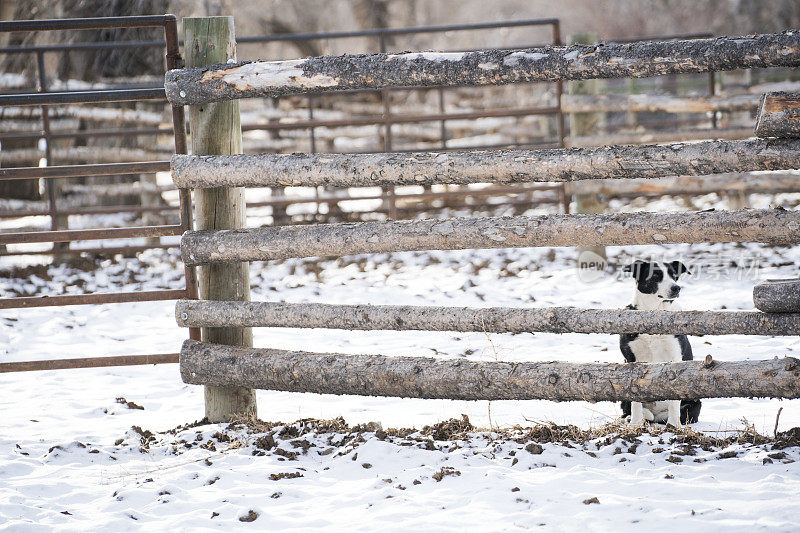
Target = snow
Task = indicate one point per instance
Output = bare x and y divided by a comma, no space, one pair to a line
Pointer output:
428,56
514,58
70,460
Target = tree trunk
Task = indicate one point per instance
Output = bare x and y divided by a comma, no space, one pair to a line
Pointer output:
459,379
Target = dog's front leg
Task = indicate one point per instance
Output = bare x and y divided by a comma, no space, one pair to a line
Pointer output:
674,413
637,414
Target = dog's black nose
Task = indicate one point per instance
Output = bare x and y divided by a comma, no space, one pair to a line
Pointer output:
674,291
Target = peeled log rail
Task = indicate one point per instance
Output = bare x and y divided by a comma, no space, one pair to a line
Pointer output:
777,296
779,115
497,166
459,379
485,67
201,313
771,183
622,103
771,226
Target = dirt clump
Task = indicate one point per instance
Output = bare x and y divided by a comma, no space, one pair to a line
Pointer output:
452,429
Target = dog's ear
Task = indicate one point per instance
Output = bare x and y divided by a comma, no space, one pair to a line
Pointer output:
640,269
679,268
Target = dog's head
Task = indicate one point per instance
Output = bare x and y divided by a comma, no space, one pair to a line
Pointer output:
657,279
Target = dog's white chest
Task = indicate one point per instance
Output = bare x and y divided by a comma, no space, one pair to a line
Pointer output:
656,348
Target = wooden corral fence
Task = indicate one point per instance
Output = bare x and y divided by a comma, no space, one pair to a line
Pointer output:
233,370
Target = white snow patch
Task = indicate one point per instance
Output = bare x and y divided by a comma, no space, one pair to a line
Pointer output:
514,58
430,56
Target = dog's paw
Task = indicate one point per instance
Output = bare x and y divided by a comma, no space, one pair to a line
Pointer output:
638,423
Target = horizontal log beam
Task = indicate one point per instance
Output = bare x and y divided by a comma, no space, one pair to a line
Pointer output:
202,313
772,226
459,379
657,137
779,115
622,103
498,166
771,183
485,67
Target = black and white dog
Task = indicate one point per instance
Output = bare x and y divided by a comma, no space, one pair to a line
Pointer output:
657,289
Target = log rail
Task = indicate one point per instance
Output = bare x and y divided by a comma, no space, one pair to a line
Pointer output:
773,226
459,379
194,313
484,67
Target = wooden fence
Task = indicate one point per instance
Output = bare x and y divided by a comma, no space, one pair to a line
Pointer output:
238,368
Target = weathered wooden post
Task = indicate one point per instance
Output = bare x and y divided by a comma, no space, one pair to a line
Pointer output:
216,129
581,124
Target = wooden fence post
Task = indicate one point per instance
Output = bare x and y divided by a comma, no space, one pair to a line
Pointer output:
216,129
581,124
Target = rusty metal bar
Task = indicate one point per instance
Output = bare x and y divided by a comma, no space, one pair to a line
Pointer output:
102,250
82,97
100,210
89,362
386,100
173,59
90,234
395,31
25,302
97,23
712,89
78,171
489,191
402,119
86,134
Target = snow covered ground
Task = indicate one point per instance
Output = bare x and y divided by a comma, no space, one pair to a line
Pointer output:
70,458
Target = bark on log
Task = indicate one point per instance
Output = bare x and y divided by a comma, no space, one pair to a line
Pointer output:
775,226
497,166
777,296
193,313
658,137
621,103
779,115
772,183
459,379
486,67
